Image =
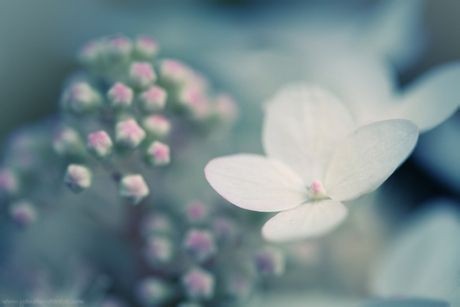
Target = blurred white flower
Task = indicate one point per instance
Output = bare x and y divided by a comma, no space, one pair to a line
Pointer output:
367,84
424,261
316,158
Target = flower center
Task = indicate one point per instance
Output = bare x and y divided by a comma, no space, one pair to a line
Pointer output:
316,190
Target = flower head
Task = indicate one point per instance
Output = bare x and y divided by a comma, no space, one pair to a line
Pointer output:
146,47
100,143
120,95
134,188
200,244
316,159
23,212
142,74
158,153
153,99
128,133
81,97
198,284
77,177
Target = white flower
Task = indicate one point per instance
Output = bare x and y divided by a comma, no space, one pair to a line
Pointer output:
316,158
367,84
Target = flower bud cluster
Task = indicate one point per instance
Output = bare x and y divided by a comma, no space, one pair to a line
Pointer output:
205,254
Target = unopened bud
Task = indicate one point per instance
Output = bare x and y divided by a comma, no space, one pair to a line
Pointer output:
119,46
100,143
224,229
174,71
142,74
200,244
67,142
194,99
153,99
153,292
158,154
78,177
128,133
9,183
120,95
158,250
23,213
196,211
198,284
269,262
157,223
134,188
80,97
90,53
146,47
157,125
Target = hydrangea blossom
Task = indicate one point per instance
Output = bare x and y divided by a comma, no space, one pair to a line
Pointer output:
316,158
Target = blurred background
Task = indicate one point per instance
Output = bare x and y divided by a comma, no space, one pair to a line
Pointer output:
250,48
40,39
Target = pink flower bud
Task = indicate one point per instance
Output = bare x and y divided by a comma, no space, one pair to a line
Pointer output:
157,223
224,229
128,133
158,250
67,141
120,45
23,213
78,177
80,97
153,292
157,125
99,143
158,154
142,74
174,71
9,183
196,211
120,95
134,188
198,284
200,244
153,99
146,47
269,262
196,101
90,52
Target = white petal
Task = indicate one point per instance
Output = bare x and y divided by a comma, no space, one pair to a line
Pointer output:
310,220
368,157
302,126
432,99
365,83
255,183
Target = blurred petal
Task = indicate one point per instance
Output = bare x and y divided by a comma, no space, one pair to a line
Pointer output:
424,261
368,157
308,220
432,99
365,83
302,126
255,183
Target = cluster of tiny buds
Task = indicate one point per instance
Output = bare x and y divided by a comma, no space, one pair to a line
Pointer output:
126,101
208,238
